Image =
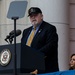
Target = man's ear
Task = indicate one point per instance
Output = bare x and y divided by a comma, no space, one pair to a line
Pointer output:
41,16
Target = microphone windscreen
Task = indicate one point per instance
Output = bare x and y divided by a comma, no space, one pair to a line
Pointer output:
18,32
12,33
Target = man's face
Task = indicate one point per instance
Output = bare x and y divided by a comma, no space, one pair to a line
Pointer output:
36,19
72,62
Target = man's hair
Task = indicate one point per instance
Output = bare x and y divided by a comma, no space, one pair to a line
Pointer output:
72,55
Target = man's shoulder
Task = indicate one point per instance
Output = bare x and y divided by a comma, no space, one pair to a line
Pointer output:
28,28
48,24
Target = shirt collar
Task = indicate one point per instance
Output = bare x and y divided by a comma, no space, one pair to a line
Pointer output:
38,25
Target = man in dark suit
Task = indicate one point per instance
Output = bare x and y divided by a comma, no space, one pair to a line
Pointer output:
45,39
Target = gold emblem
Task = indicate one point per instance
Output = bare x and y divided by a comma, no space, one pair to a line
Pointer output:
5,57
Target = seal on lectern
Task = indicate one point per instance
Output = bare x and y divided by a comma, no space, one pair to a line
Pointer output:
5,57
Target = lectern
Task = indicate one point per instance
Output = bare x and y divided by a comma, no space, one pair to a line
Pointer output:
28,59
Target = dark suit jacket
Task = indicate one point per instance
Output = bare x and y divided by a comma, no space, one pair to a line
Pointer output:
46,41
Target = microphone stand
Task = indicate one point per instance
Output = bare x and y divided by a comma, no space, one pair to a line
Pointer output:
15,69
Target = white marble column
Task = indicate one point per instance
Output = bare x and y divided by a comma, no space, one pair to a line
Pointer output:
56,13
72,27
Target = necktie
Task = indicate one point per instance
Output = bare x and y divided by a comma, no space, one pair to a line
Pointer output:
29,41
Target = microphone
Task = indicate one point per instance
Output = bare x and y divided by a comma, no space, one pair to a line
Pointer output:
12,34
17,32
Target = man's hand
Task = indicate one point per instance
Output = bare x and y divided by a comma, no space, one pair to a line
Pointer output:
34,72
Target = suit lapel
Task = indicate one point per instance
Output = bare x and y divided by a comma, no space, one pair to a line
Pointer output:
38,32
27,34
40,29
